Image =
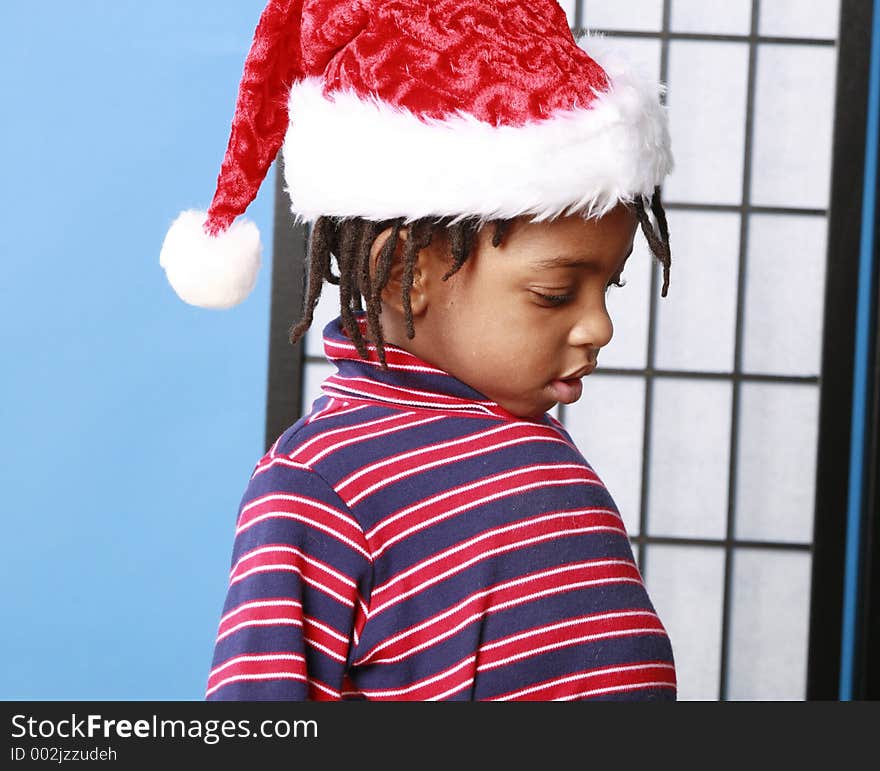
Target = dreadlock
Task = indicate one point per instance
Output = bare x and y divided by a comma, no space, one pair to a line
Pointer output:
350,240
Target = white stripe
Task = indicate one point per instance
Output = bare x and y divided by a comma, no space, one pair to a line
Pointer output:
346,411
476,596
455,491
300,449
613,688
394,460
463,406
359,437
259,622
312,523
491,534
564,624
466,506
257,657
259,604
283,567
264,676
281,460
422,683
565,644
579,676
437,579
293,550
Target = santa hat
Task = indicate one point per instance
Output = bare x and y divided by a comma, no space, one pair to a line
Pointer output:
410,109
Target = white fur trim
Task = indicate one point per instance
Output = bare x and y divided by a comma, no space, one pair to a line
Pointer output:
346,156
211,271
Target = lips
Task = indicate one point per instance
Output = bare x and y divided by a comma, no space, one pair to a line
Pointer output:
566,391
569,389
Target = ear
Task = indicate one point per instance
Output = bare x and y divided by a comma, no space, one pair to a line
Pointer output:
392,292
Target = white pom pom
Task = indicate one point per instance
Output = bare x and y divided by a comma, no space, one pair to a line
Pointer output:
211,271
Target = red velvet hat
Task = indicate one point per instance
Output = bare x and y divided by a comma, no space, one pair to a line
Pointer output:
416,108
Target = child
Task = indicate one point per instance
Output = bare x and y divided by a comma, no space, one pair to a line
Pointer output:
427,530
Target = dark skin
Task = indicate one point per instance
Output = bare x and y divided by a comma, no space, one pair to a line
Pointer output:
491,325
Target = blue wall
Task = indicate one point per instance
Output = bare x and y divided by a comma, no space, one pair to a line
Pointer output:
131,421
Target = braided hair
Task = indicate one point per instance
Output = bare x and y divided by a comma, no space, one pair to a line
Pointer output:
351,239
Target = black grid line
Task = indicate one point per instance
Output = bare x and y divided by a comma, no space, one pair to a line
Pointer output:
751,377
746,209
709,37
672,540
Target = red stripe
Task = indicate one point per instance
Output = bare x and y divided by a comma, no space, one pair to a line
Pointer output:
457,500
395,468
364,386
597,682
280,610
441,685
511,537
500,597
576,631
394,355
327,442
321,636
279,557
260,666
310,511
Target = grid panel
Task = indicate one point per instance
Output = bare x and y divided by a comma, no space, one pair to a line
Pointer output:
769,215
779,426
689,458
800,18
628,307
606,425
707,123
687,591
697,320
783,330
794,119
645,15
769,622
732,17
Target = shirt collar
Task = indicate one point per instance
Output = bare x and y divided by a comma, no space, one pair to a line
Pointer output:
409,381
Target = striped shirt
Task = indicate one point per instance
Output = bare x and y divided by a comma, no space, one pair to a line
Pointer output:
410,539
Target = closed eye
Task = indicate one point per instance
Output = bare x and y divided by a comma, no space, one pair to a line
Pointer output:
556,299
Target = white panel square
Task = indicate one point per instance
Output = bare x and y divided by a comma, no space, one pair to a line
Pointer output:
325,311
606,424
696,321
793,125
708,84
783,328
732,17
554,411
799,18
313,376
645,15
686,586
641,54
690,443
629,308
776,462
769,625
569,7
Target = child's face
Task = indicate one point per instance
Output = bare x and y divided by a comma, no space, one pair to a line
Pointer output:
490,325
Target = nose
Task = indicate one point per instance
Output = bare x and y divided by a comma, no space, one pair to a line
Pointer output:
593,327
